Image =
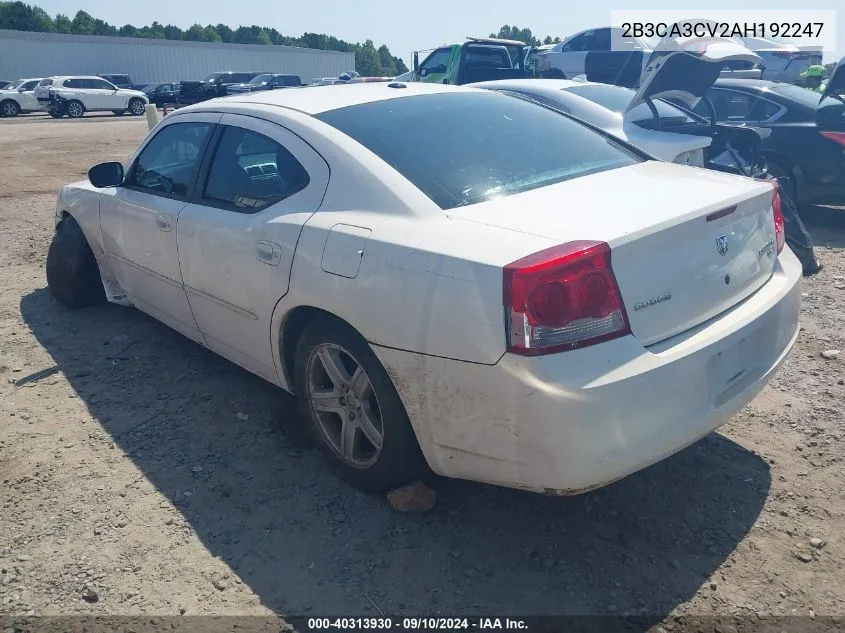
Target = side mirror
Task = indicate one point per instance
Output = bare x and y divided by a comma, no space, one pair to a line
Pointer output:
106,175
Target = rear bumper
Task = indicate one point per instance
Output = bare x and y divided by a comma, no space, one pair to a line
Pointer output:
568,423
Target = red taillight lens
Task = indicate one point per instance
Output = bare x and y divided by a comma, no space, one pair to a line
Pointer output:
836,137
563,298
777,212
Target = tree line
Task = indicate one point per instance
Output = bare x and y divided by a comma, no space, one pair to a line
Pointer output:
369,60
523,35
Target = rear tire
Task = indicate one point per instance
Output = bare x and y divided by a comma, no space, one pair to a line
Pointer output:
75,109
9,108
137,107
369,406
73,275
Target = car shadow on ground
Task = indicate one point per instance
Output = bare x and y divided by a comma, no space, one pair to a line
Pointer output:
262,498
826,225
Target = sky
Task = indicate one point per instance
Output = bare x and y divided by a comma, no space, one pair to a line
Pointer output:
427,25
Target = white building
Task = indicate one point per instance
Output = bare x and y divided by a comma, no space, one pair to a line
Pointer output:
28,54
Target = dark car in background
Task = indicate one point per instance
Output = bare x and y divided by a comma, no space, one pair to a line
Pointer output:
122,81
212,85
162,93
267,81
806,147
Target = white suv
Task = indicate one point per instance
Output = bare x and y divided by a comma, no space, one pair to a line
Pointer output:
74,96
19,97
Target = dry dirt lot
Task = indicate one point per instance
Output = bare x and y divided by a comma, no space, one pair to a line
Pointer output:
142,474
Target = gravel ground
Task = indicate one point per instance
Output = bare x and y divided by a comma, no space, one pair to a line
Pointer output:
142,474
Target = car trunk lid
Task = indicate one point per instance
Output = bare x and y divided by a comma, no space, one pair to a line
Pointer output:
686,244
686,68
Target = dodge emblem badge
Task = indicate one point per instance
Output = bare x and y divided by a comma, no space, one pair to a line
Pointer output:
722,244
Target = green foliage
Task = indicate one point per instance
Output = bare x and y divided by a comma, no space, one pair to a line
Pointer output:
523,35
18,16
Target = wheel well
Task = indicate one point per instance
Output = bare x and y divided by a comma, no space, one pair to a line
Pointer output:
292,328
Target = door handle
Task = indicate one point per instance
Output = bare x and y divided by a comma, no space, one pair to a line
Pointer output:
163,222
268,252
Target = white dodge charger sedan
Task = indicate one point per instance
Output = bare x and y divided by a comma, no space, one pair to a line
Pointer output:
446,277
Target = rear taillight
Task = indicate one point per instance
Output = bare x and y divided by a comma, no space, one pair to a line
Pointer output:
563,298
836,137
777,212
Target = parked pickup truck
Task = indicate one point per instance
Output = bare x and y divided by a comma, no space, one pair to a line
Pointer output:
477,59
211,86
269,81
122,81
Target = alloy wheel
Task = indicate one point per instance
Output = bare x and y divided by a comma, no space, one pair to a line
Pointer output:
345,405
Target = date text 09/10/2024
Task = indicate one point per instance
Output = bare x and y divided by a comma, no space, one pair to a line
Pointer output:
416,624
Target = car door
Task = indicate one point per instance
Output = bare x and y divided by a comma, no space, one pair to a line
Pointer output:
435,67
104,95
830,113
138,219
574,54
258,186
26,96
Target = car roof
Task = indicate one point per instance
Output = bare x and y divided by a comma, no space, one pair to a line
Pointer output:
319,99
61,77
535,85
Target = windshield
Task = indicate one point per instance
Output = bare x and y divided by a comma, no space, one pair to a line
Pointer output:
802,95
617,99
261,80
211,77
13,85
467,147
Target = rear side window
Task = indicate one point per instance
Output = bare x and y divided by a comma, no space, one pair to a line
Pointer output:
169,161
467,147
288,80
250,172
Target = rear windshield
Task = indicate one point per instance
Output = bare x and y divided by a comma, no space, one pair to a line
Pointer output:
802,95
617,98
467,147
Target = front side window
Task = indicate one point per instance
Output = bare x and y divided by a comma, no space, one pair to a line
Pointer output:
74,83
468,147
30,85
101,84
169,161
437,62
250,172
577,44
